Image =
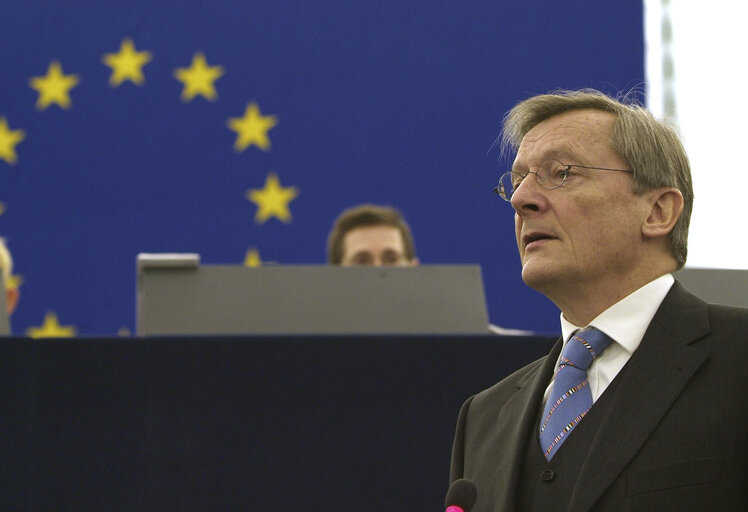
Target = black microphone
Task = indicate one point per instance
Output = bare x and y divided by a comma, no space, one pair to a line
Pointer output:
461,496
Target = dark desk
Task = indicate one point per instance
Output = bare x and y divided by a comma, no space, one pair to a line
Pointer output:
262,423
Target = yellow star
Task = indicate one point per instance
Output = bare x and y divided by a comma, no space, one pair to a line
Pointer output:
2,208
8,140
252,259
252,128
126,64
51,328
54,87
198,79
272,200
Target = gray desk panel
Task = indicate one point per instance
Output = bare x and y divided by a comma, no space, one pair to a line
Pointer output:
216,299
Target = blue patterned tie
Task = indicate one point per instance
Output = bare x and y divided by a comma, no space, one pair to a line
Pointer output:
570,396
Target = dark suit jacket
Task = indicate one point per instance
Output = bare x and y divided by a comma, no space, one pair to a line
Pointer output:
675,438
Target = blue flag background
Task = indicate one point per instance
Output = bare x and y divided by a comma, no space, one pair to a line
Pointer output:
240,130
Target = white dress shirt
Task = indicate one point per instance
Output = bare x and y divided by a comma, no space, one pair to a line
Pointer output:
625,322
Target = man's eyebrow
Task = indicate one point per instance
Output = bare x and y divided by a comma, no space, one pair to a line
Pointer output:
552,155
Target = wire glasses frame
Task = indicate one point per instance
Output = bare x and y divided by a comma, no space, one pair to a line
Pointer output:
510,180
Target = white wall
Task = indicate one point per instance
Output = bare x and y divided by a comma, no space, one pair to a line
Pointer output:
708,48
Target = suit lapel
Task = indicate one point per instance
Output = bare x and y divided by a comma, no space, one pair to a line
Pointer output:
515,420
651,381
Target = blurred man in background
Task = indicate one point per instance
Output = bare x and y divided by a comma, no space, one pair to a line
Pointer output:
12,294
371,235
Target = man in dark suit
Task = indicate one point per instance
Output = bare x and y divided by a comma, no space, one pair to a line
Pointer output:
640,405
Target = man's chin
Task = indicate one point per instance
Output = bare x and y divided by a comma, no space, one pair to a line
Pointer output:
537,275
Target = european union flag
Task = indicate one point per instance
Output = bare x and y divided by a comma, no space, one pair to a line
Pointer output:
239,130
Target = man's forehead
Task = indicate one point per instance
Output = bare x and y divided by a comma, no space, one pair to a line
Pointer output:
567,134
376,232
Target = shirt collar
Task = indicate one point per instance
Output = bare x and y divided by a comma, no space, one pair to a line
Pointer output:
628,319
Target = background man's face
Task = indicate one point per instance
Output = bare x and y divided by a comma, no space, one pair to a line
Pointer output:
374,245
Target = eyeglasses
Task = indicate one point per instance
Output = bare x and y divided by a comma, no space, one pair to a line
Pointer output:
549,177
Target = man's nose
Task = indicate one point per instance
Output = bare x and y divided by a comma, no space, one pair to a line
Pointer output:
528,194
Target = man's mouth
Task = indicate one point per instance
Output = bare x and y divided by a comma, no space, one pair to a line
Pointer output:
531,238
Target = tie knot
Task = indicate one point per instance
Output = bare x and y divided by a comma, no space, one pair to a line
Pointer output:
584,347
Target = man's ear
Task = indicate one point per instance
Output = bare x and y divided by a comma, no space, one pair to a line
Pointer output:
665,207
